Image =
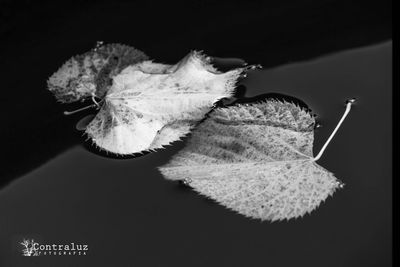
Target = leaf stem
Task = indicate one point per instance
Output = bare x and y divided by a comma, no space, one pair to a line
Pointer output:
348,108
95,102
78,110
95,105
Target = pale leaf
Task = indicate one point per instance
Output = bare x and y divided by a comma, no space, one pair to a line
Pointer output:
256,160
151,105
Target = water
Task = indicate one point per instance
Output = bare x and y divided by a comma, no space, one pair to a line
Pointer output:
128,214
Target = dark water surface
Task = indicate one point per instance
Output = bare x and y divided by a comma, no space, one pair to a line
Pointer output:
130,216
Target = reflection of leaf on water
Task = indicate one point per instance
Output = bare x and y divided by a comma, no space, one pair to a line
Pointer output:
257,160
143,105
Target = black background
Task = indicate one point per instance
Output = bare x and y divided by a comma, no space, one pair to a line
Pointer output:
123,209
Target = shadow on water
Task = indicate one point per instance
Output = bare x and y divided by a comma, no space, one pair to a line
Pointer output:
35,131
89,146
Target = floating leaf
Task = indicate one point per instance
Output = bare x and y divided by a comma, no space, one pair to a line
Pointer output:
91,74
144,105
256,160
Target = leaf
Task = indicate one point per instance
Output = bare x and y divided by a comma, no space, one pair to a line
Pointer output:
90,73
145,105
256,160
151,105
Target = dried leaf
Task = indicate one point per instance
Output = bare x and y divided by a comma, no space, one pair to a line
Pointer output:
256,160
90,74
146,105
